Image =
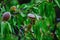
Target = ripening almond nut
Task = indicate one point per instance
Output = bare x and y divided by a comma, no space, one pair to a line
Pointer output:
6,16
13,8
31,15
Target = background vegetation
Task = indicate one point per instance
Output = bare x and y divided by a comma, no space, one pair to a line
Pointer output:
42,24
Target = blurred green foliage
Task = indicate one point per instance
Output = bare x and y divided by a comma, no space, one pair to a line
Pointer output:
42,28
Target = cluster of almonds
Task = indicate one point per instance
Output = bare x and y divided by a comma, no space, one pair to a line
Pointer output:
7,15
33,16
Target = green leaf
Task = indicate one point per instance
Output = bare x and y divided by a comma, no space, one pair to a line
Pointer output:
57,2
